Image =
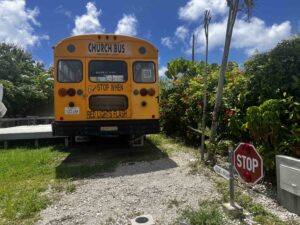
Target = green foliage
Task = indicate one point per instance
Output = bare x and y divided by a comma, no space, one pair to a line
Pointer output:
180,66
15,63
274,127
26,84
274,73
223,146
259,105
182,100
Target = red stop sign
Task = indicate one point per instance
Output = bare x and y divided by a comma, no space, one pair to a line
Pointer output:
248,163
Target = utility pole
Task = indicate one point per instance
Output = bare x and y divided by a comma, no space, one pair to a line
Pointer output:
233,6
193,49
207,19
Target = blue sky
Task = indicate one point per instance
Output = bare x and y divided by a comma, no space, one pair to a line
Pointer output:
37,25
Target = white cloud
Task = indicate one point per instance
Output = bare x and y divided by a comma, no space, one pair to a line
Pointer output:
194,9
166,41
89,22
162,71
249,36
182,33
127,25
61,10
17,24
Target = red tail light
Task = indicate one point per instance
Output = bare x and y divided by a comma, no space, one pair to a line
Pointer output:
151,92
62,92
71,92
143,92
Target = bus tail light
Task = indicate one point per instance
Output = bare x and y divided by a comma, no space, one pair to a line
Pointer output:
143,92
151,92
62,92
71,92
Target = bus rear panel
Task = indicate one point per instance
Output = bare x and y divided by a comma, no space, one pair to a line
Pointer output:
105,84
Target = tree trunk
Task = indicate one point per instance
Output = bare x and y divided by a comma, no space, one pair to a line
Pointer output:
233,8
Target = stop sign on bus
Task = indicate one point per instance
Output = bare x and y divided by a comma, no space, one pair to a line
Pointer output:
248,163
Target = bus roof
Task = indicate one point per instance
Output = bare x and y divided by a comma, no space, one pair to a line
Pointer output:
104,45
103,37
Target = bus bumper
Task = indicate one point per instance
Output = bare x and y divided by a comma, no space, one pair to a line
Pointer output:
102,128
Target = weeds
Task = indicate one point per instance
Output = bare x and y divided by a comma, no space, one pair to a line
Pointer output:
260,214
208,213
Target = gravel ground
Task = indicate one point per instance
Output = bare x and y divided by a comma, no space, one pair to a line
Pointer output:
160,188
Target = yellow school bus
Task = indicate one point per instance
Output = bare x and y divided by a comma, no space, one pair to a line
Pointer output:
105,84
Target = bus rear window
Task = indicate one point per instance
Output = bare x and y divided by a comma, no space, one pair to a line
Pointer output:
108,71
144,72
69,71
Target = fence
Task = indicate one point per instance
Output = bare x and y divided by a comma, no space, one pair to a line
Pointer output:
29,120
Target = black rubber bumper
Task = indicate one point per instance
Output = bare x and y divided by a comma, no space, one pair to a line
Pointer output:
101,128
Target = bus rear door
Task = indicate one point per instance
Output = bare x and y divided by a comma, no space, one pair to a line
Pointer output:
108,88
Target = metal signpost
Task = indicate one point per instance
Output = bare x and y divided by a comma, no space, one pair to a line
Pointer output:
231,180
249,166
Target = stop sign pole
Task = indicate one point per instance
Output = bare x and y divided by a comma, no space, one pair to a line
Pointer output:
248,163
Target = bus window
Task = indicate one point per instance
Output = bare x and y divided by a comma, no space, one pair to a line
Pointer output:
107,71
69,71
144,72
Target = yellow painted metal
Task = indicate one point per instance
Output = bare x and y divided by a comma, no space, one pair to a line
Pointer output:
106,47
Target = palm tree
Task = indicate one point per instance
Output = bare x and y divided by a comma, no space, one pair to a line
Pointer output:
234,7
207,19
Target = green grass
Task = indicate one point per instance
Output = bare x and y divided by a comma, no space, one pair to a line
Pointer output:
209,213
29,176
24,175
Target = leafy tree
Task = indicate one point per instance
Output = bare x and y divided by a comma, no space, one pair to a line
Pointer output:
15,63
180,66
274,73
27,85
